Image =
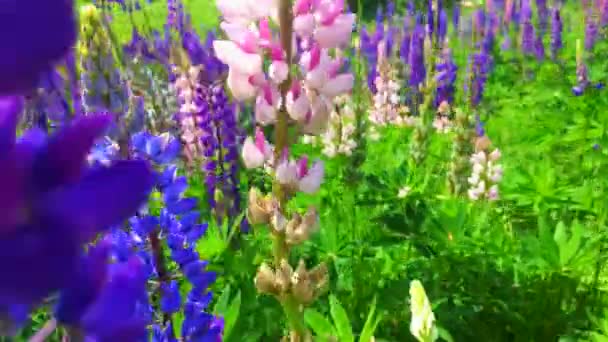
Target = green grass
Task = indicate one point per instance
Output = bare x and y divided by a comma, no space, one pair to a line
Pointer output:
203,12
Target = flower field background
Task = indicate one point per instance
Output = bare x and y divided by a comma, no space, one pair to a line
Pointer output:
293,170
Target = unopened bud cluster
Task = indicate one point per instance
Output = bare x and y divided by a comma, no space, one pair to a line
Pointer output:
264,209
303,284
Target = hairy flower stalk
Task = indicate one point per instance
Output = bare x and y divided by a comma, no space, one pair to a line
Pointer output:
281,99
462,149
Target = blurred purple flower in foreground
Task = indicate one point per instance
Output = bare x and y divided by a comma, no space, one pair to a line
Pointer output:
52,204
29,46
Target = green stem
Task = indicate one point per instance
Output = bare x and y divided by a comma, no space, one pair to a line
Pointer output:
294,316
280,248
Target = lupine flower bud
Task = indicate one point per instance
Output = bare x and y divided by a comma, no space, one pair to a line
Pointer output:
265,280
259,208
256,153
305,285
308,285
299,229
422,325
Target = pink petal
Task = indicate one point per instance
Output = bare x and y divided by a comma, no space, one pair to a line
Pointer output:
312,181
317,123
231,54
246,11
252,157
297,108
302,167
302,6
339,85
304,25
336,34
240,86
265,113
287,173
278,71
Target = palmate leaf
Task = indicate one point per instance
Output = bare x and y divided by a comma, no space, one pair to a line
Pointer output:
231,315
343,325
321,326
371,323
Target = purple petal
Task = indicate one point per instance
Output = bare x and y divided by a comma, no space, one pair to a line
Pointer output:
64,158
37,260
114,311
104,198
34,34
10,109
83,290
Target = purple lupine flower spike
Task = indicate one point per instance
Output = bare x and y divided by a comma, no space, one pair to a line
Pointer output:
527,30
446,78
556,33
543,16
416,57
539,47
442,25
480,63
591,30
456,16
604,13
